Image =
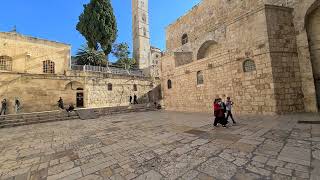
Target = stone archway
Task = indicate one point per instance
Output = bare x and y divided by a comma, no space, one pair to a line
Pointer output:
313,31
203,50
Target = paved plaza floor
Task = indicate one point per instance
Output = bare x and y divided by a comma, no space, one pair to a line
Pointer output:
163,145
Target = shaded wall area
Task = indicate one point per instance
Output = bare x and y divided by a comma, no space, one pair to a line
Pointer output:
39,93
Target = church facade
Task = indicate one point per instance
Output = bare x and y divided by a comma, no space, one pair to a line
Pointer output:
264,54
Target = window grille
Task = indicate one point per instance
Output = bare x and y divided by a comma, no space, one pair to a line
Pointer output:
249,65
48,67
5,63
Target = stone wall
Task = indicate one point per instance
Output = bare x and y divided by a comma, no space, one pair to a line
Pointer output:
41,92
36,93
301,12
226,32
28,53
222,67
285,64
122,87
182,58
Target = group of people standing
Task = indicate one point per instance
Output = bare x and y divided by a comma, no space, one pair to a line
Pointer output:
135,99
222,112
4,106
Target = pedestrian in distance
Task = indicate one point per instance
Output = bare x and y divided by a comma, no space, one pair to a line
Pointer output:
135,99
4,106
219,114
70,108
60,103
229,105
17,106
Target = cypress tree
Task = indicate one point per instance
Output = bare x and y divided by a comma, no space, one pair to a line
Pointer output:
98,25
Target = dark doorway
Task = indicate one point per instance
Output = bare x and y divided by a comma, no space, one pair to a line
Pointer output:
313,30
79,100
317,83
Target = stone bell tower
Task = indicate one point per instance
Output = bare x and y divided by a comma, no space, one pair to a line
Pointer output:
141,35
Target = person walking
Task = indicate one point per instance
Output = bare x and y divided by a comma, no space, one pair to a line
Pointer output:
135,101
219,113
130,99
3,107
60,103
17,105
229,105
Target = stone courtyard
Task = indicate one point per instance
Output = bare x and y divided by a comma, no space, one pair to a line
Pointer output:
163,145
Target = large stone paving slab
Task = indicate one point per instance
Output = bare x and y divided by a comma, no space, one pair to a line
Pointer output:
296,155
163,145
219,168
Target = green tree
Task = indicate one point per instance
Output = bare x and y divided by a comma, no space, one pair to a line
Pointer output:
121,51
90,56
98,25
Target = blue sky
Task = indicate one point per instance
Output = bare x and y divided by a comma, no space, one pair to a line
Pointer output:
56,19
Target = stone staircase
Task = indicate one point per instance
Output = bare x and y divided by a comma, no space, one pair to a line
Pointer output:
35,118
123,109
52,116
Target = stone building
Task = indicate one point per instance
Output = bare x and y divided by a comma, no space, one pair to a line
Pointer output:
143,52
156,55
37,72
265,54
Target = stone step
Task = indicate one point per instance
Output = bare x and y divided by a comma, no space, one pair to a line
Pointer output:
35,118
19,123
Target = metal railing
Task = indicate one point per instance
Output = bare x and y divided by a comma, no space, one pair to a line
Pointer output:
108,70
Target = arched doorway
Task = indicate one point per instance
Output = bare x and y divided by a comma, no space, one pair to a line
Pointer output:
313,30
75,92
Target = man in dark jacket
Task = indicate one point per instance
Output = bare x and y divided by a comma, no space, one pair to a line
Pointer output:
60,103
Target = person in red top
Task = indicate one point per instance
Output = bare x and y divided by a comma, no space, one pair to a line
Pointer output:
219,114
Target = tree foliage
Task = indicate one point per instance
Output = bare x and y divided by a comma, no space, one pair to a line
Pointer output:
90,56
98,25
121,51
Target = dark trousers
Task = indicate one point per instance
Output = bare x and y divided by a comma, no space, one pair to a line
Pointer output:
229,114
220,120
3,110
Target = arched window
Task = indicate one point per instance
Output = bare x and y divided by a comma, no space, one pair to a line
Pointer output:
5,63
184,39
109,87
169,84
199,78
135,87
249,65
48,67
